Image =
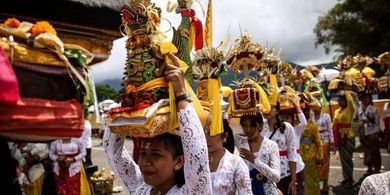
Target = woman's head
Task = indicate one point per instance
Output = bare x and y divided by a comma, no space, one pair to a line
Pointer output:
366,100
288,117
317,112
252,125
342,101
214,142
306,112
272,113
161,160
229,144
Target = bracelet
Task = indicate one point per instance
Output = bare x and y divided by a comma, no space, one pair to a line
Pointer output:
183,96
294,183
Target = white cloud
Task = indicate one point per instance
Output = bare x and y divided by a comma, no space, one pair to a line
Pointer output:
283,24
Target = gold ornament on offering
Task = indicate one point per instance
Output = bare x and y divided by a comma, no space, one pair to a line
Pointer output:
384,59
208,63
359,61
207,67
345,63
245,52
286,72
248,99
286,98
148,105
384,81
269,64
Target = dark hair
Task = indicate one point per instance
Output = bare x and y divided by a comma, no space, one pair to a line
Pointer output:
370,98
8,169
229,144
173,142
254,119
279,125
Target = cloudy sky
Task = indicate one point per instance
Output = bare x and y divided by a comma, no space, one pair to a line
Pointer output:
286,25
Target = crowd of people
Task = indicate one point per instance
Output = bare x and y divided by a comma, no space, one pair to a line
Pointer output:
278,152
185,144
51,168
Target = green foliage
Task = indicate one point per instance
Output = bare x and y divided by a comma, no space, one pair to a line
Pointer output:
105,91
76,57
355,26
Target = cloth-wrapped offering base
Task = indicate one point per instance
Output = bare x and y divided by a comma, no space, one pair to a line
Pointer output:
41,120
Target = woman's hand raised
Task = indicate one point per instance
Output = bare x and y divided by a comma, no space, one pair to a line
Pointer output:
174,74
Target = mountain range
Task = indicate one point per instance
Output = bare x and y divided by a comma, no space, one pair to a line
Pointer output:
225,79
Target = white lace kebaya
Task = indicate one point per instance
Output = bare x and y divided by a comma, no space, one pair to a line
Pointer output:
287,146
74,147
267,161
298,129
376,184
231,176
324,123
196,165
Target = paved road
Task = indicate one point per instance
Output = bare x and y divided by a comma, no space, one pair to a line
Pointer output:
335,175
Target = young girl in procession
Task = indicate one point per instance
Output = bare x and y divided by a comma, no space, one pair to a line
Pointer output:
283,134
68,155
311,151
261,155
298,129
324,123
369,118
229,173
168,164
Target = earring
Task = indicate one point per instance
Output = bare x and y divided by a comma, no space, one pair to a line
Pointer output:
177,167
147,145
224,140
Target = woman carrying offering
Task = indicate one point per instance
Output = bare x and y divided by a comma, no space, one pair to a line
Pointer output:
261,155
344,138
168,164
324,123
229,173
298,129
311,151
283,134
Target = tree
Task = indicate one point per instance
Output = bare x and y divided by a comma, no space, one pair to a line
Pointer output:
105,91
355,26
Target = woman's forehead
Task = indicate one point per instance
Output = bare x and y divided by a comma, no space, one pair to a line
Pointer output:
153,143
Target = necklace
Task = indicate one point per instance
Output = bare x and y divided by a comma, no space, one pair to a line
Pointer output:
212,166
156,192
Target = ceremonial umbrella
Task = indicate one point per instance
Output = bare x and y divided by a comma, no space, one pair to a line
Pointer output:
327,75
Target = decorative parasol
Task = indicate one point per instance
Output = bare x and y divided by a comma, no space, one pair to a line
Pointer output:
327,75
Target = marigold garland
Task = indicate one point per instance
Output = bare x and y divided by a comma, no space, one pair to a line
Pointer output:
12,22
42,27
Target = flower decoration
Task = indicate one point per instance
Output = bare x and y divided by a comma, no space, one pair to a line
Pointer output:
245,52
384,59
345,63
314,70
285,69
42,27
360,61
12,22
208,63
269,63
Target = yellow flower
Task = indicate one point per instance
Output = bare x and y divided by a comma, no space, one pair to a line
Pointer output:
42,27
